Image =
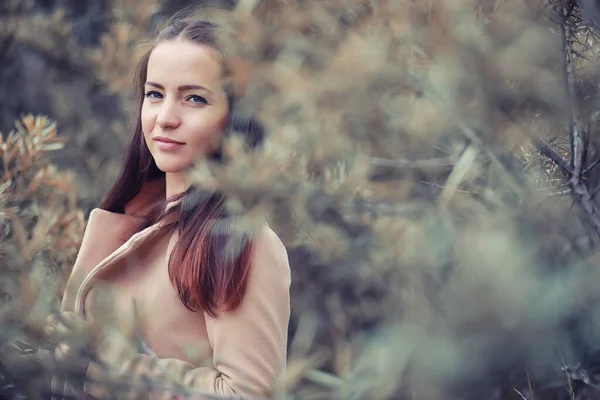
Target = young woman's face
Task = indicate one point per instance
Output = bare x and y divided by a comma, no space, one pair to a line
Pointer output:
185,107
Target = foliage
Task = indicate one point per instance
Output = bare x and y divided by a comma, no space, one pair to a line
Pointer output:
431,167
41,228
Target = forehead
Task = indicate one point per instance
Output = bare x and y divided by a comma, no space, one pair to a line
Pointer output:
184,62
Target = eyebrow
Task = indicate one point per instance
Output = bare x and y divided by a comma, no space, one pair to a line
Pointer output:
180,88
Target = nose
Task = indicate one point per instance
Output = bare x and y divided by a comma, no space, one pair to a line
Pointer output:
168,117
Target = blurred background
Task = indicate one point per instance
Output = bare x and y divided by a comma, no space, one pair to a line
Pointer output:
431,166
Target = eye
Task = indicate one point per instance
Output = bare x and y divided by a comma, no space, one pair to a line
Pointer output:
153,94
197,99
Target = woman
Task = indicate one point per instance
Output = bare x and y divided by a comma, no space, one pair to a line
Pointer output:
169,251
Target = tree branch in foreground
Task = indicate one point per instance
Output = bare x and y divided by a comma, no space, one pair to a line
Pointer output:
577,132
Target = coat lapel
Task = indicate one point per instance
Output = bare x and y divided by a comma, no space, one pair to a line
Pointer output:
104,234
108,233
108,237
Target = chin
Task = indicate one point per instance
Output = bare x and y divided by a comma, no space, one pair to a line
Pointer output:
171,166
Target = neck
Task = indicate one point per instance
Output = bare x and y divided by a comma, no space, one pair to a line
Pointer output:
175,183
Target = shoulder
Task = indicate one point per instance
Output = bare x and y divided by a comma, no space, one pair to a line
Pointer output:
266,239
267,242
269,256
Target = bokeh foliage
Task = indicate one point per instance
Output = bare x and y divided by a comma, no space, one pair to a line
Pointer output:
431,167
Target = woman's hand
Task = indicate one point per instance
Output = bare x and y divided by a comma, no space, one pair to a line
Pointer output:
21,358
73,339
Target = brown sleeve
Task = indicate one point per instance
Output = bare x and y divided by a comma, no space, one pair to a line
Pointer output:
249,344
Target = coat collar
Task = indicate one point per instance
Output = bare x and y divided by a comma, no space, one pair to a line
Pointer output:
108,237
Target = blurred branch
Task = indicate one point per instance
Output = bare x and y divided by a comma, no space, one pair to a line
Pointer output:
474,138
248,5
6,40
559,192
51,37
61,60
323,378
167,384
143,386
460,170
576,129
381,208
427,163
472,135
444,187
552,154
590,12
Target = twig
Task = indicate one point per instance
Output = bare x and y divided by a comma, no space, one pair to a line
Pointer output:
561,192
569,384
328,380
591,166
591,16
565,369
471,135
595,191
577,132
581,55
475,140
460,170
576,129
520,394
552,154
529,383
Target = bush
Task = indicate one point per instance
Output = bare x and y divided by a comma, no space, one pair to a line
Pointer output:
431,167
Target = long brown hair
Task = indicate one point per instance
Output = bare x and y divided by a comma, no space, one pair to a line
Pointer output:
207,275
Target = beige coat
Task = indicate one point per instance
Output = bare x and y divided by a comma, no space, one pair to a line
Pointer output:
235,354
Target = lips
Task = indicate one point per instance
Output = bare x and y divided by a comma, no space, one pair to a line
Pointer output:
166,140
166,144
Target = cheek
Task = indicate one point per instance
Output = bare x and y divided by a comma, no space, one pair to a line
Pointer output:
221,123
219,127
209,132
146,120
224,118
